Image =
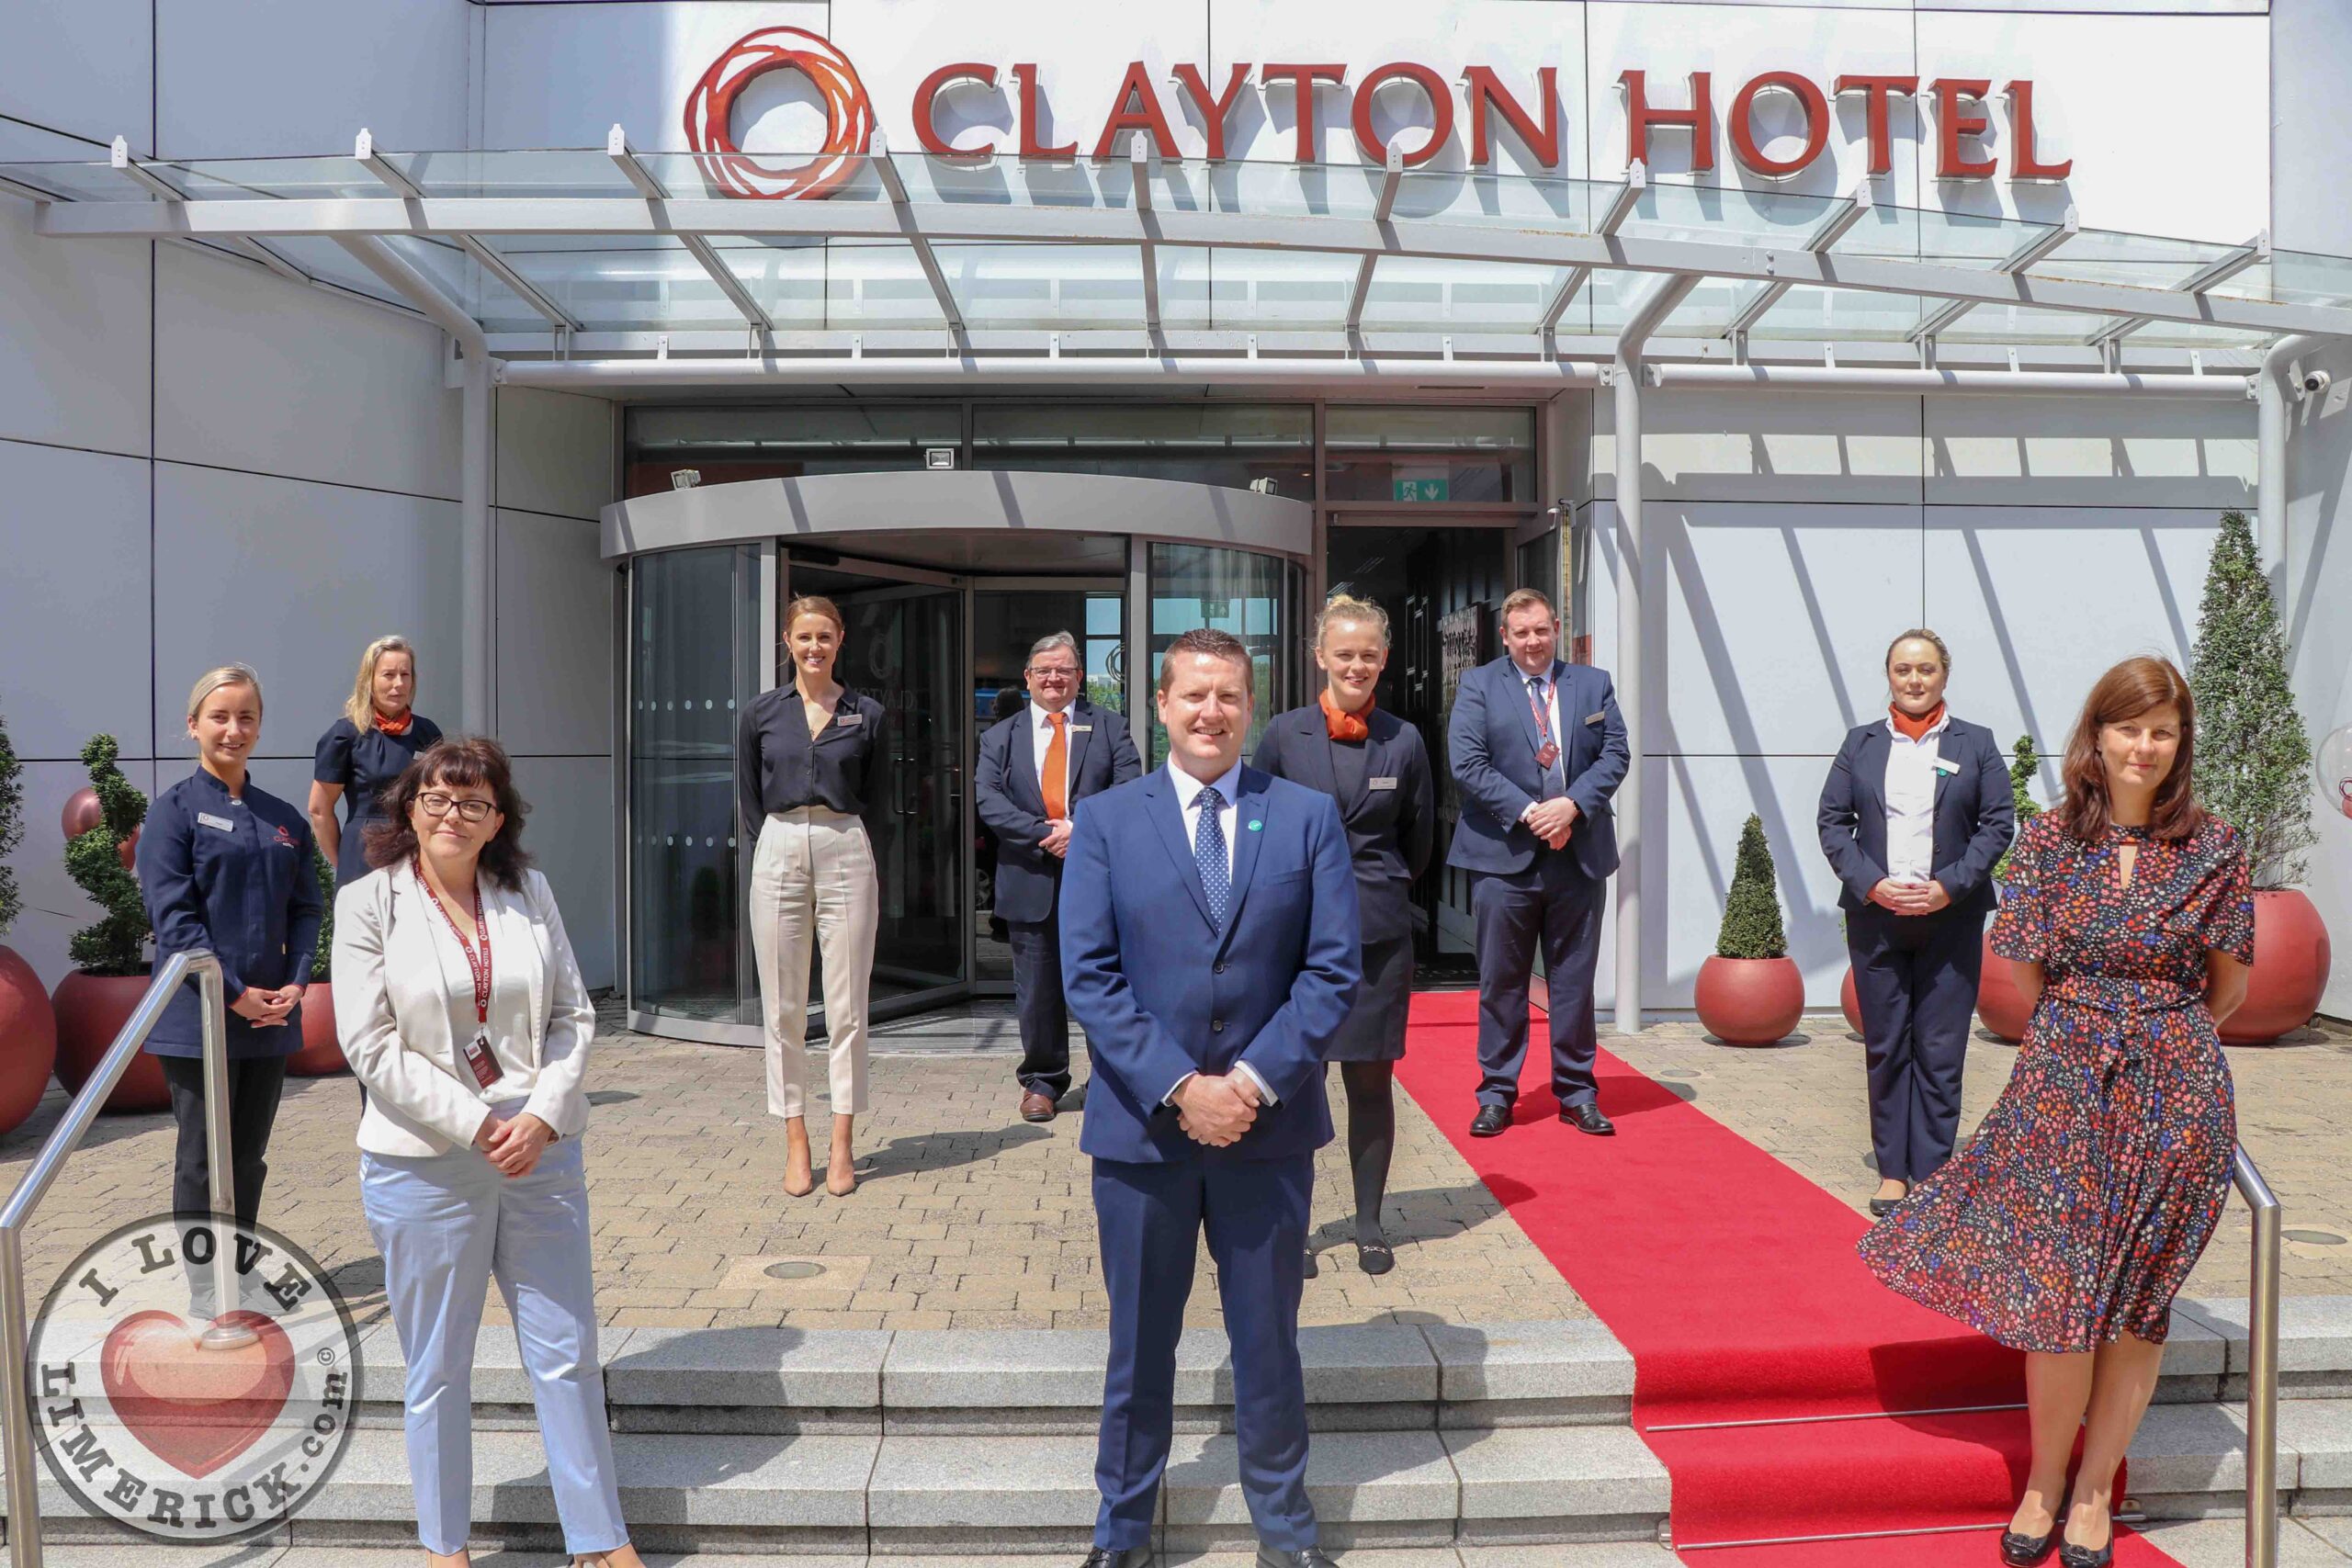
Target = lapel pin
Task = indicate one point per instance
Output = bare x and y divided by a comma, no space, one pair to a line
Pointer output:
1255,824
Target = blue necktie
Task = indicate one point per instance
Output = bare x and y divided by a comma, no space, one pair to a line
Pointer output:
1208,854
1539,697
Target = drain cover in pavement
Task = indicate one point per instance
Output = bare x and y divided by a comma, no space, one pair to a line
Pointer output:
794,1270
2314,1238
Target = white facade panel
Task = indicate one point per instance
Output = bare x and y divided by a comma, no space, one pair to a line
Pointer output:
2090,452
74,338
2319,629
1773,446
258,374
555,636
54,907
87,69
570,836
294,579
73,627
294,78
555,452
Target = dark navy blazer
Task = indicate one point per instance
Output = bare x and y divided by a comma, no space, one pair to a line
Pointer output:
1012,800
234,877
1975,814
1492,744
1161,992
1391,832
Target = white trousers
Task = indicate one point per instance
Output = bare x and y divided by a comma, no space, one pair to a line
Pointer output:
447,1224
813,888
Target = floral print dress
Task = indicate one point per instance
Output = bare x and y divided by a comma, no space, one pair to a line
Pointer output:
2095,1181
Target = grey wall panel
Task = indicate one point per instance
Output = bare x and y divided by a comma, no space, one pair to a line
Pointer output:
73,339
294,579
555,635
293,78
1776,446
555,452
73,630
570,835
2089,452
2310,58
2317,606
86,68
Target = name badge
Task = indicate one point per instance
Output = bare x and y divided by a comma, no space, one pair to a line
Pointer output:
1944,767
211,821
1596,717
1081,729
1380,784
848,720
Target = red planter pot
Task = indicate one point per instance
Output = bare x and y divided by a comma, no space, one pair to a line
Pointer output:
27,1039
1849,1002
1749,1001
91,1010
321,1051
2000,1006
2291,963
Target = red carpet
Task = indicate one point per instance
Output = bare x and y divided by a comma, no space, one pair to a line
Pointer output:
1732,1281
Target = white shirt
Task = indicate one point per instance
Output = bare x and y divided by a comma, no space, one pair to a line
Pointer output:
1188,802
1552,706
1910,789
1041,736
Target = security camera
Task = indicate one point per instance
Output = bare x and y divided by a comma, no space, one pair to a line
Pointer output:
2315,383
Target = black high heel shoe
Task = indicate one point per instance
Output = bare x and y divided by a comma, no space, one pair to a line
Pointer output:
2019,1551
2071,1556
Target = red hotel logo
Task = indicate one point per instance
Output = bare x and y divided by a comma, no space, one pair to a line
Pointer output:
1959,114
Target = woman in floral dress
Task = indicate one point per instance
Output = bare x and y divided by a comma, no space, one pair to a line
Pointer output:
2068,1224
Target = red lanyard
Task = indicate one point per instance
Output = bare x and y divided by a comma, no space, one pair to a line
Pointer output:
1539,704
479,966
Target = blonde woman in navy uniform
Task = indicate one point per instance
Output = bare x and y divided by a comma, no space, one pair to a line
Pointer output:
380,734
224,867
1376,767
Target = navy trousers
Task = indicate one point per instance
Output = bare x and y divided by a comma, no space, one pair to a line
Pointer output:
1552,904
1915,977
1150,1218
1043,1006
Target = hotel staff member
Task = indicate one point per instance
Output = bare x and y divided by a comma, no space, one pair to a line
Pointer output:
1915,811
377,737
225,867
806,757
1035,765
1375,766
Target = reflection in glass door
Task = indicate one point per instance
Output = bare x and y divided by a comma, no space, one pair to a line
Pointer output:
905,648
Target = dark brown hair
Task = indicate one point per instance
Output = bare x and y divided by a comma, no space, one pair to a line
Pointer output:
1210,643
465,763
2131,688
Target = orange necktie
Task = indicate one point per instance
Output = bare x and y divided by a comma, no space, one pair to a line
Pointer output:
1057,779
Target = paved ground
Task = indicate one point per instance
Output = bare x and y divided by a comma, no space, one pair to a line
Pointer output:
967,1217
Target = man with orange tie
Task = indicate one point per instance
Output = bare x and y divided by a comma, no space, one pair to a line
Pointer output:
1036,766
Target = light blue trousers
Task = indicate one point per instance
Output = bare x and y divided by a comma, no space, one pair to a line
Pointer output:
447,1224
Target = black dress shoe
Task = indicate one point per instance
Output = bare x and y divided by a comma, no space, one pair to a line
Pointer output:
2073,1556
1110,1557
1880,1208
1490,1122
1311,1269
1589,1119
2020,1550
1313,1557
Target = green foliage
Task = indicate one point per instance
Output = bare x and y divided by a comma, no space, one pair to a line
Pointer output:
1752,911
2024,766
321,960
116,944
2252,749
12,828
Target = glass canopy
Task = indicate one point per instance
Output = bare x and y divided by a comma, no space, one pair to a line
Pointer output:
604,246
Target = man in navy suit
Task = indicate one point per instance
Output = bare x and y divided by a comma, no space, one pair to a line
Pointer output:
1034,767
1210,972
1539,749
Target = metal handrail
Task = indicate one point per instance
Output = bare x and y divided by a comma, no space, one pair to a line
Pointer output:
15,1407
2261,1368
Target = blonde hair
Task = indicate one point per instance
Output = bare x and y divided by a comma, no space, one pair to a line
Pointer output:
361,707
1347,607
1527,599
1921,633
815,604
222,675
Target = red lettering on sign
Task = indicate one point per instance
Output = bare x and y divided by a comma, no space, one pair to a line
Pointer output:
929,89
1876,90
1033,144
2025,164
1214,111
1952,122
1814,108
1699,120
1432,87
1302,79
1488,95
1146,115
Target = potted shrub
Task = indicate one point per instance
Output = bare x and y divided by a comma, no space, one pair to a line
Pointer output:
110,957
2252,749
2000,1006
1750,992
28,1023
322,1050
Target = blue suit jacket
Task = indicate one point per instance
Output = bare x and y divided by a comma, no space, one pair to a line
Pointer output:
1491,747
1976,815
1012,801
1161,992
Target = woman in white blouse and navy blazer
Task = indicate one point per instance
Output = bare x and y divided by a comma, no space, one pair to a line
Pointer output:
1915,811
462,1008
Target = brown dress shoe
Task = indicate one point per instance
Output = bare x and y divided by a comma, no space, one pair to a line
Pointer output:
1036,1107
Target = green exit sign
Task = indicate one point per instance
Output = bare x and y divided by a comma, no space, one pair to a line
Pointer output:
1420,490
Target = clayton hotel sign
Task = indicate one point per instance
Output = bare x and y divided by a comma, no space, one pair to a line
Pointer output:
1960,108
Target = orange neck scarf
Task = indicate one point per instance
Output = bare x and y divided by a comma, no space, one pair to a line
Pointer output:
1916,729
395,726
1340,724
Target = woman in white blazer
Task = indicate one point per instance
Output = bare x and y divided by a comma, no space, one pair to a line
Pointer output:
463,1010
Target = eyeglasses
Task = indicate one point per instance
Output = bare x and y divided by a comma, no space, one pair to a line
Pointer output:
1052,672
442,805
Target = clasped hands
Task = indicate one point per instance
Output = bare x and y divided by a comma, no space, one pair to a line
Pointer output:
1907,898
514,1144
1215,1109
1057,839
265,1007
1552,820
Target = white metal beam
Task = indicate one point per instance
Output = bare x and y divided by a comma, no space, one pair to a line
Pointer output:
617,148
657,202
911,229
1016,370
2220,270
1621,207
1833,227
417,289
399,184
1935,323
1993,383
1139,172
496,265
1391,179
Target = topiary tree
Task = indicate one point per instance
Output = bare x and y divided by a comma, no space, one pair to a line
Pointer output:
2024,768
12,828
116,944
2251,745
321,960
1752,910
